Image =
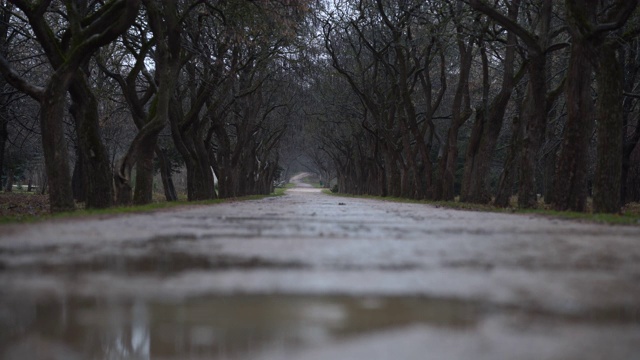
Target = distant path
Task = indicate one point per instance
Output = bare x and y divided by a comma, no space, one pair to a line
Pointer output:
541,288
297,180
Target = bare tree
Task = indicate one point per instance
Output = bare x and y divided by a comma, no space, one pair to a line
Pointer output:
489,120
83,35
590,51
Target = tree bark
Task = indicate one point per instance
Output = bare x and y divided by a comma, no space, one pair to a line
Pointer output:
506,181
549,162
608,175
9,183
571,175
77,179
489,121
5,17
588,48
165,174
534,115
86,33
4,136
54,144
142,148
631,65
96,169
445,190
535,119
144,175
164,20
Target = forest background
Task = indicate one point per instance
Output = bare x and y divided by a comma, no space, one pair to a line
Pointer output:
515,103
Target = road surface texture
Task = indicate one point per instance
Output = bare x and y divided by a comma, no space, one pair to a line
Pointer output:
312,276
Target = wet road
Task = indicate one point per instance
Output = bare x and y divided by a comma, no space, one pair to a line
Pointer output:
311,276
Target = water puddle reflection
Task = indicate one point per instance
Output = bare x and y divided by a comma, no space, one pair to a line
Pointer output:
214,327
155,262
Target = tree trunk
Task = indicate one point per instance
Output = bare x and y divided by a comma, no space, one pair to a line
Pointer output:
164,22
535,121
461,112
535,114
77,179
200,184
165,174
486,130
631,69
54,146
66,55
140,151
505,184
9,184
449,165
207,189
144,175
143,146
123,190
549,163
571,175
589,47
550,158
5,16
96,170
412,182
469,185
392,174
628,147
608,175
44,184
4,136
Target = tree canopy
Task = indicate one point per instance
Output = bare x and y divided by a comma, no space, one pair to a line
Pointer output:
510,102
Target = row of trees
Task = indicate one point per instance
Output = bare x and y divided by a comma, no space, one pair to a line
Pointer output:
480,99
212,81
426,87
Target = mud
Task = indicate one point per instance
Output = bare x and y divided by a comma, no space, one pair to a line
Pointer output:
304,277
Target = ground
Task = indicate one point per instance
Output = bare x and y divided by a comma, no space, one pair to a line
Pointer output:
311,276
18,204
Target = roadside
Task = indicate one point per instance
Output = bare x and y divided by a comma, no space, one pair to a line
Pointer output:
27,208
630,214
20,207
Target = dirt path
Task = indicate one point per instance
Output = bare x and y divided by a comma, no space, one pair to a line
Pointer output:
311,276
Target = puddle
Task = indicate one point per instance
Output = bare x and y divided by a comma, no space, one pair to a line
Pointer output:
258,326
158,263
212,328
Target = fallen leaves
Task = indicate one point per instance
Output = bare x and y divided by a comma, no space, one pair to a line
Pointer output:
23,204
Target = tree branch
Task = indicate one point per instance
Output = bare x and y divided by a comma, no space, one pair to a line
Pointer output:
17,81
617,20
529,39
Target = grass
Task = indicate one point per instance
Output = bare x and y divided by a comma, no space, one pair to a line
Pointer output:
629,216
279,191
119,210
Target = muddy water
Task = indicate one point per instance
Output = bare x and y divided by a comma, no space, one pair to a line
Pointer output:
303,327
211,327
309,276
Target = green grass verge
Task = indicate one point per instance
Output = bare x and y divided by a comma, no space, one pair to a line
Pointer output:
630,216
119,210
279,191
